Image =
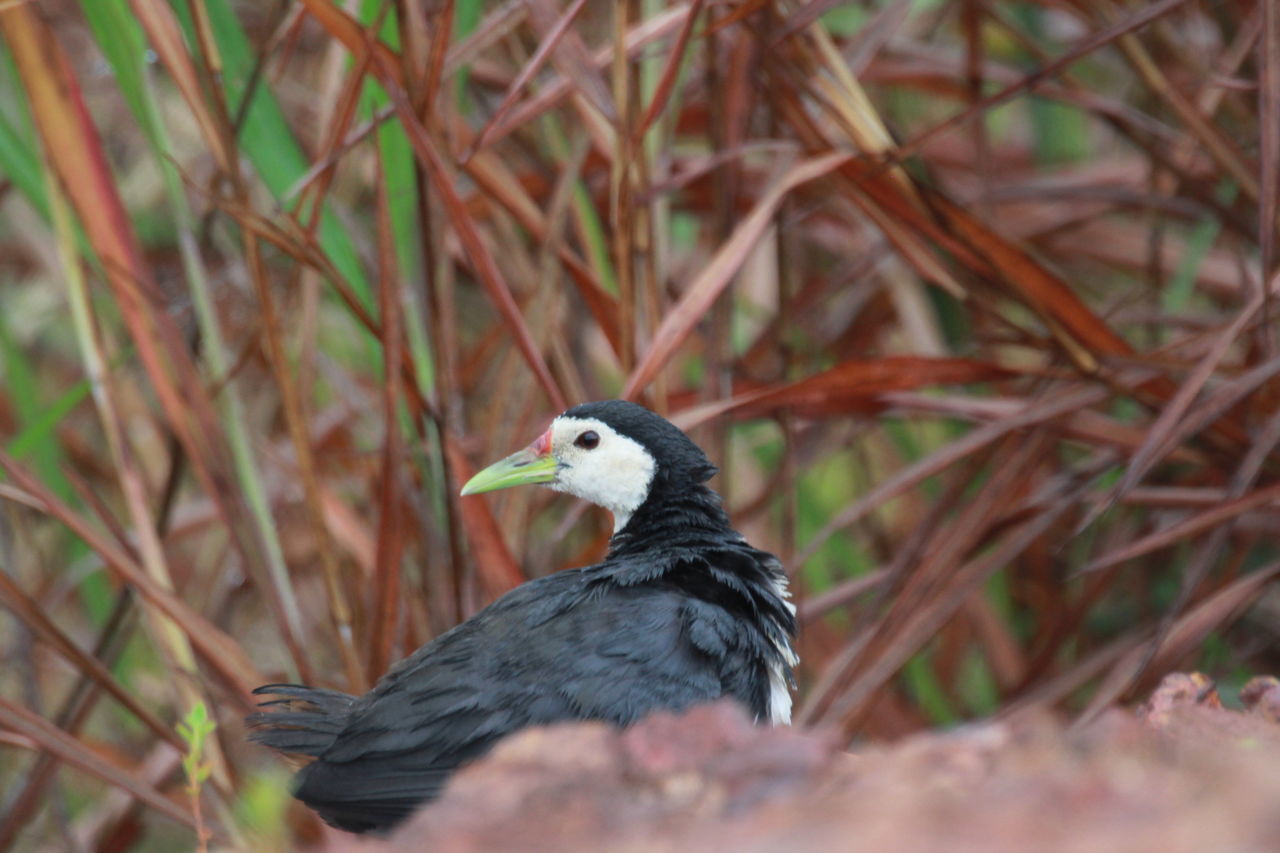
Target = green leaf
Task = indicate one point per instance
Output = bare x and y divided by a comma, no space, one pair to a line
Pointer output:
19,152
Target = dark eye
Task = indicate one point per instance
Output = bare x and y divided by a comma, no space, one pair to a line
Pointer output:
588,440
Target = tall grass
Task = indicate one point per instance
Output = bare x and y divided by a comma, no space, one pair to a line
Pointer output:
972,303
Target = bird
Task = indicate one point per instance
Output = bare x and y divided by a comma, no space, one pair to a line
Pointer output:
681,611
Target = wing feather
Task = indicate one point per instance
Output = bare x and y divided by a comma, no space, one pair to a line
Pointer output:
556,649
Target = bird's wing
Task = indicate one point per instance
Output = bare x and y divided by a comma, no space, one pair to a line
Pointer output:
558,651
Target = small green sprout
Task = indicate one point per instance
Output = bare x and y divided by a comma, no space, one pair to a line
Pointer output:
194,730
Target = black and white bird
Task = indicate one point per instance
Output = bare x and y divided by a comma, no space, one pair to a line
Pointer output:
681,611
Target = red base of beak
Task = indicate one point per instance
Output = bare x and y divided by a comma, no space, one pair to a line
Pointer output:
542,444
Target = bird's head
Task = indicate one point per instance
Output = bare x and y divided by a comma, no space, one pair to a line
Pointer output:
613,453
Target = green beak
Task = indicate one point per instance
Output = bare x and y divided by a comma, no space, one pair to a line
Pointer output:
525,467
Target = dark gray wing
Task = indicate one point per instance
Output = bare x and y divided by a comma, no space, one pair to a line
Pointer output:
562,648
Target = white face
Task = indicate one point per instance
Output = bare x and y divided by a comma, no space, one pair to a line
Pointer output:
599,465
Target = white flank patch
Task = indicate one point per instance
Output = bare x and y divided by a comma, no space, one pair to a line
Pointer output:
615,474
781,587
779,696
779,689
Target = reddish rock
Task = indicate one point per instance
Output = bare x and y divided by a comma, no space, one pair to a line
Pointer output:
1261,695
1182,774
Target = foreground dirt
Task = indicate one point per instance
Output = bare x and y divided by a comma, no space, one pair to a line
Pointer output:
1180,774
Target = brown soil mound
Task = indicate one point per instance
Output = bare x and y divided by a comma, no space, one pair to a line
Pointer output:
1182,774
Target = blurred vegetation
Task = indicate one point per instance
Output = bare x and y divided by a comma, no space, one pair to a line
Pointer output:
972,302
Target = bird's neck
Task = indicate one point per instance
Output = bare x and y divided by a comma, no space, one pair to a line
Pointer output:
683,518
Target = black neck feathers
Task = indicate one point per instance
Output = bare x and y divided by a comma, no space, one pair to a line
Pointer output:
673,519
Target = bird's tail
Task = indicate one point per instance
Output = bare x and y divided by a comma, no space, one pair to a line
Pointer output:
305,721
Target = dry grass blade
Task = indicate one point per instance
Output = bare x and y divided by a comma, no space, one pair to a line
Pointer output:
737,15
574,61
486,268
76,154
30,612
1083,335
1029,82
839,596
1188,527
74,146
162,29
850,387
1269,142
1219,146
927,620
22,805
803,18
1214,545
75,753
1160,435
222,653
933,590
390,549
667,81
856,386
1188,632
557,91
1050,408
708,285
535,63
356,38
502,185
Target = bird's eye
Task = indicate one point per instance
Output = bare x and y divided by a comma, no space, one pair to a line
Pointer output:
588,440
